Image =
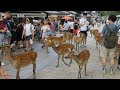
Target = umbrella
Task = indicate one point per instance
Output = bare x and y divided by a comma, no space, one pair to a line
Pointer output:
66,17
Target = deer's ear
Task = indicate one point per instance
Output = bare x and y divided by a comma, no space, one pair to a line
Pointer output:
69,49
49,40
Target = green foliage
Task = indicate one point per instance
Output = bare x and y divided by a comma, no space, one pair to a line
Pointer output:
107,13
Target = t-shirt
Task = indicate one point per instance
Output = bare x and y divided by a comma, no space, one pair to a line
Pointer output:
28,29
71,25
111,26
66,26
45,28
83,21
2,25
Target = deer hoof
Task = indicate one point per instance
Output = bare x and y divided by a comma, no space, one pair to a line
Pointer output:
47,52
57,66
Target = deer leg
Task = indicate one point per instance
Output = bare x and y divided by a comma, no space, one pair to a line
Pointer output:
58,61
70,63
76,46
17,75
63,60
96,44
79,74
47,49
34,69
85,69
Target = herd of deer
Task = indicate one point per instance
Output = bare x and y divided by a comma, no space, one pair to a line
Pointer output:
64,48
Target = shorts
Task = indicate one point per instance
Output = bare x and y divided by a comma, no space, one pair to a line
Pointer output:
44,35
84,32
75,31
71,31
28,37
104,52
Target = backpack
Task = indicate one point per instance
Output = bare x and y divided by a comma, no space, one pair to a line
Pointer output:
110,39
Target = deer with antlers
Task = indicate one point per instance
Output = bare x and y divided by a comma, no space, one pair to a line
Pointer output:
80,59
20,60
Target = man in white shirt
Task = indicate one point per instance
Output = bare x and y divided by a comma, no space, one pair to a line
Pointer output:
83,26
66,26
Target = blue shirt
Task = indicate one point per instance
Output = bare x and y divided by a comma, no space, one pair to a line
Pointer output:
8,24
111,26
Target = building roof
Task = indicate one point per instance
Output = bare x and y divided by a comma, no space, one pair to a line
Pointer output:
73,12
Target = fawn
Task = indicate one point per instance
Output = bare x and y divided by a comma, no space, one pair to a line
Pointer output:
80,59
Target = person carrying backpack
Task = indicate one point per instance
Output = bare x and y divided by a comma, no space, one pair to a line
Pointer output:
109,43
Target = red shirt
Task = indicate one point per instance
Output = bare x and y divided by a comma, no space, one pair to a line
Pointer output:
2,25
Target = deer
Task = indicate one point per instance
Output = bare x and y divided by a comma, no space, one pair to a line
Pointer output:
61,50
21,60
56,40
81,59
79,40
98,39
68,36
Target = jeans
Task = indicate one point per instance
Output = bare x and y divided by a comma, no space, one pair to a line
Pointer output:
1,39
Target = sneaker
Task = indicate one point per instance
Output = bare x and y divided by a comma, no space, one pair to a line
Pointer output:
118,67
111,71
104,70
3,64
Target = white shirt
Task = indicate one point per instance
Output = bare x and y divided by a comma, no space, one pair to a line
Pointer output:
85,22
66,25
71,24
45,28
28,29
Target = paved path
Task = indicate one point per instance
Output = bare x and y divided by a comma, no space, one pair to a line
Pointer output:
46,66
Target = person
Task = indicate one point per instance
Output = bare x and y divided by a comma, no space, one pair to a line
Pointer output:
44,28
38,30
83,26
109,43
8,34
19,32
66,26
55,25
3,29
28,32
3,74
76,27
71,26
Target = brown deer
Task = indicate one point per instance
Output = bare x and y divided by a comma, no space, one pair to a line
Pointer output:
79,40
98,39
68,36
80,59
20,60
62,49
55,40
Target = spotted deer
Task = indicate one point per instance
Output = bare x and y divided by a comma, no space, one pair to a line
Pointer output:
55,40
20,60
62,50
78,40
80,59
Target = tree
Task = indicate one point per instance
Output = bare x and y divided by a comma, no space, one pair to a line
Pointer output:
107,13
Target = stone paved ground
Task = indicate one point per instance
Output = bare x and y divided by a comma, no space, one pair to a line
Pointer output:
46,66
